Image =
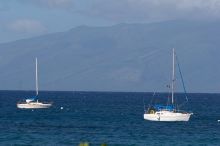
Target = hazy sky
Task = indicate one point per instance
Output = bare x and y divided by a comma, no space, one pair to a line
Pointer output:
27,18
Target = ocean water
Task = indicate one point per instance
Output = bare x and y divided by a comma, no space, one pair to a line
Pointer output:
105,117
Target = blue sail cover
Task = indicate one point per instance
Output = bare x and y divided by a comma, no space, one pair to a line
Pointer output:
159,107
31,99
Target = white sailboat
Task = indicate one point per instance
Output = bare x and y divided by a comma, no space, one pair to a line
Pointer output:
167,112
33,103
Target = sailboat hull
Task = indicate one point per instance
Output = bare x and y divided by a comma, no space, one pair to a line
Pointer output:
167,116
34,105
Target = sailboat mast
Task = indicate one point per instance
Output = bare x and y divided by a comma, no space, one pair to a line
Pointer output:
36,78
173,76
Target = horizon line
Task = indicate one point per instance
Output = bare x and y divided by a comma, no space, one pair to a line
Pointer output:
108,91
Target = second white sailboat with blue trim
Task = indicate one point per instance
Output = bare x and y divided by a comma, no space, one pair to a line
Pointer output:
169,112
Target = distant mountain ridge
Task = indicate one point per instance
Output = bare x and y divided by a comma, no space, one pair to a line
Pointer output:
124,57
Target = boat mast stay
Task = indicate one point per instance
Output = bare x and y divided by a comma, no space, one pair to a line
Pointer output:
173,76
183,84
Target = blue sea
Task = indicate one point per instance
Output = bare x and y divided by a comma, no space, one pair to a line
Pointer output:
113,118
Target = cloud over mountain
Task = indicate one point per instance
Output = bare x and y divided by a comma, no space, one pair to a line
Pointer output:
27,26
51,4
154,10
136,10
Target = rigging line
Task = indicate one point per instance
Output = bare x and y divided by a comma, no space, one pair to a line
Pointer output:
184,88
